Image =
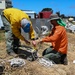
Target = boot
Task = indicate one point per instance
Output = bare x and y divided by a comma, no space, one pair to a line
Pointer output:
16,50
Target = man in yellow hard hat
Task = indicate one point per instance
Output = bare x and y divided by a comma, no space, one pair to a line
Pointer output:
13,20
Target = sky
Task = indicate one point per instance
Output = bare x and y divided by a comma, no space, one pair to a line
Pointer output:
66,7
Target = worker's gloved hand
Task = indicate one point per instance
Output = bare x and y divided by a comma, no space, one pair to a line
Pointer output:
39,41
34,43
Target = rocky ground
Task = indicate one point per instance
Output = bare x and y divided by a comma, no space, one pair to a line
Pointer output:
35,68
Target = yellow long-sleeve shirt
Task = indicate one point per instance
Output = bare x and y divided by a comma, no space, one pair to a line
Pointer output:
14,16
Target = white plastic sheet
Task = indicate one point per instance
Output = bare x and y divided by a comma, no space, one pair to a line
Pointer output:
46,63
17,62
73,61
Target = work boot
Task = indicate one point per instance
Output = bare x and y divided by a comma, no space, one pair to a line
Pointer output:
16,50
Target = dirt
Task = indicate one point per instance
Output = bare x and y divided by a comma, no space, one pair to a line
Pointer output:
35,68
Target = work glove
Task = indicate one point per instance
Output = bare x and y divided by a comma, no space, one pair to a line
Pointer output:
34,43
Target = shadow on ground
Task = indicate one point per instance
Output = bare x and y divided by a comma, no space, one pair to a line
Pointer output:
23,53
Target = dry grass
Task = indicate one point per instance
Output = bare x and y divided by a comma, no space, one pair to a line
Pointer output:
34,68
2,37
